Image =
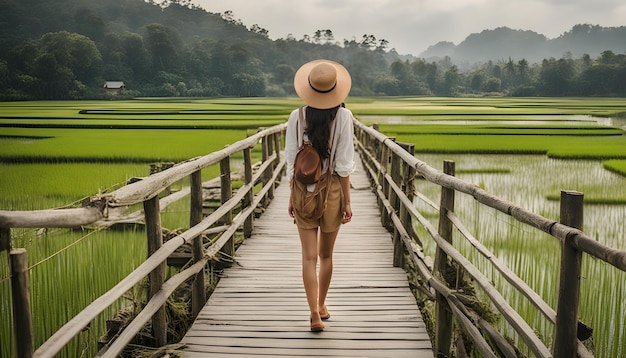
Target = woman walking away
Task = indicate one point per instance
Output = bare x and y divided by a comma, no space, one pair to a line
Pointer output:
320,208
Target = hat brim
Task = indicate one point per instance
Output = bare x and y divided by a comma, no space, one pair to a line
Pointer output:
322,100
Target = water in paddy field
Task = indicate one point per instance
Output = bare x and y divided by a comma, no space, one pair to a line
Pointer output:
519,120
527,181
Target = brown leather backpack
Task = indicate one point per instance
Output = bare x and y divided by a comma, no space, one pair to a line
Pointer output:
308,170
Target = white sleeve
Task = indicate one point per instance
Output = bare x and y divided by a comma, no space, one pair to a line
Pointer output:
344,155
291,147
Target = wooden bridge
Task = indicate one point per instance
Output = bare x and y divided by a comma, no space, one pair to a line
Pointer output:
259,307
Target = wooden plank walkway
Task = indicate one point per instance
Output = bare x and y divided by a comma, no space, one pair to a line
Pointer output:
259,307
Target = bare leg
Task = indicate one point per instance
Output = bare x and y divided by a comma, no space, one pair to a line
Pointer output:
308,240
325,250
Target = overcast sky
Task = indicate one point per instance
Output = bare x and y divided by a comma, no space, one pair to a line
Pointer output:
411,26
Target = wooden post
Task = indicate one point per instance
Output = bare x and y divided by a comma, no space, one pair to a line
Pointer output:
265,176
248,225
226,186
398,245
198,291
408,187
277,150
5,239
20,288
443,335
384,163
157,276
396,164
270,151
569,279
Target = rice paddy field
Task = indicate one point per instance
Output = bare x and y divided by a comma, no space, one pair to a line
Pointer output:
53,154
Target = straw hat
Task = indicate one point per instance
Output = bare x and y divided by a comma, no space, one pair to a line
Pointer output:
322,84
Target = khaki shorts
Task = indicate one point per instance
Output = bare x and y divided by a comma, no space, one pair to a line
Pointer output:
331,219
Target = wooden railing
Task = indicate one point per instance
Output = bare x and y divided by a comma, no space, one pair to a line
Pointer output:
110,208
392,169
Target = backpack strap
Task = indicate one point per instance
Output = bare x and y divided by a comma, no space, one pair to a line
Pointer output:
331,162
301,124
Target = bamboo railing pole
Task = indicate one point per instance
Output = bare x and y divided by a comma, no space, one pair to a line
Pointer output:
408,187
248,225
198,291
443,335
277,137
270,151
398,245
226,194
384,160
157,276
265,174
20,289
569,279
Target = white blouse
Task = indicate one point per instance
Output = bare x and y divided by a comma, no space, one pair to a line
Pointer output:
344,153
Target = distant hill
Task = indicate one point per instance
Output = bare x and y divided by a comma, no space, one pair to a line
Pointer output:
503,42
30,19
68,49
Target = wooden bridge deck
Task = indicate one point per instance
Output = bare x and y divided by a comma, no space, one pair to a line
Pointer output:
259,306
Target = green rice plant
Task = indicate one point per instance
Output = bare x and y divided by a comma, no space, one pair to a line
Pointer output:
114,146
69,269
151,130
566,147
616,166
44,186
531,253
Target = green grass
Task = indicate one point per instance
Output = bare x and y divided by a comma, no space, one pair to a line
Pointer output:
63,282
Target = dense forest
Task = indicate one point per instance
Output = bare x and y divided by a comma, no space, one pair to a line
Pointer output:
68,49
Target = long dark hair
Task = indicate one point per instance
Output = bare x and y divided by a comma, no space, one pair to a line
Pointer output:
318,128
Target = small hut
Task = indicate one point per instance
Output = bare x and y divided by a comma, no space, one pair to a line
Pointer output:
114,87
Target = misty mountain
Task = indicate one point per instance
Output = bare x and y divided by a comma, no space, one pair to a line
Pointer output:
503,43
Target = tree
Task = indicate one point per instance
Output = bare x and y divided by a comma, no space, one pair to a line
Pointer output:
477,81
259,30
382,45
522,67
368,42
136,56
67,65
246,85
89,24
163,45
284,74
556,77
76,52
451,81
493,84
